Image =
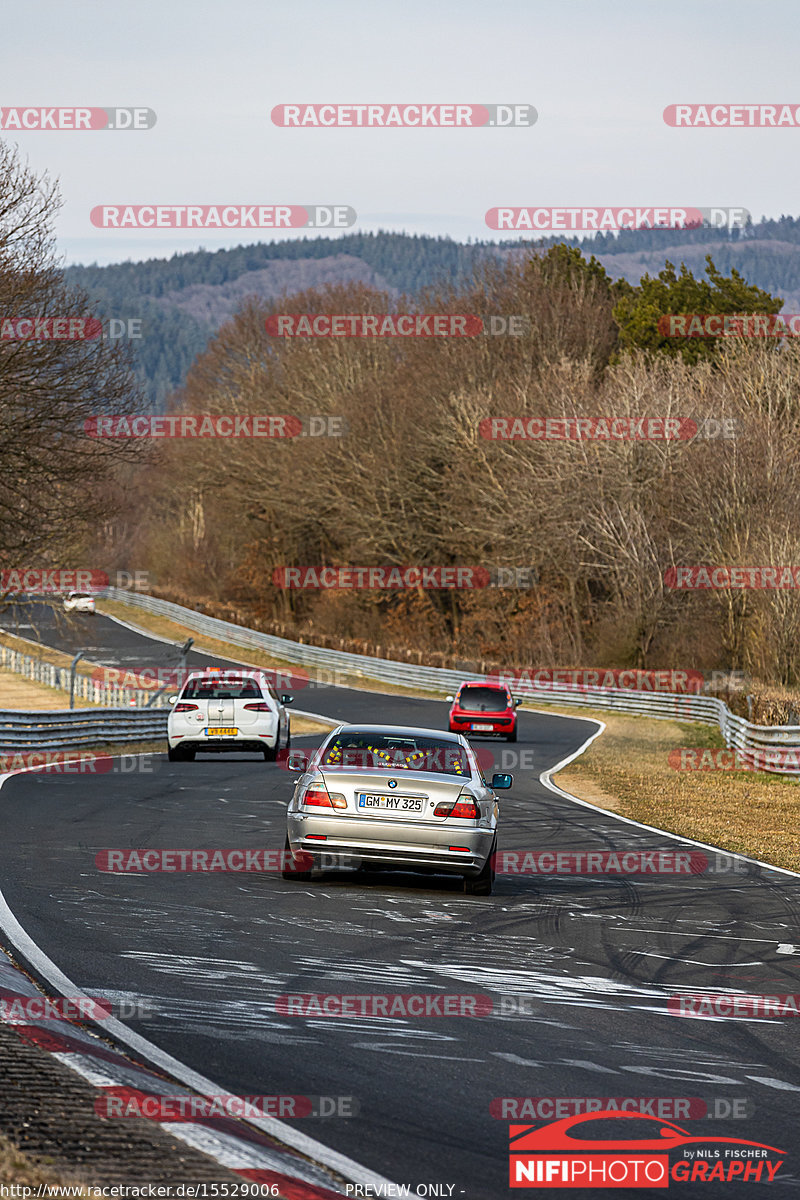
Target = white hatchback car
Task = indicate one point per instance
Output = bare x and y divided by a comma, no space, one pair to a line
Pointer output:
79,602
220,711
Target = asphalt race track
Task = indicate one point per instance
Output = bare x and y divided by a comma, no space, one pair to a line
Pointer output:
596,959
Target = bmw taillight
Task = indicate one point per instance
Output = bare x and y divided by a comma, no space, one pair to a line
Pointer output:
317,797
262,707
185,708
464,807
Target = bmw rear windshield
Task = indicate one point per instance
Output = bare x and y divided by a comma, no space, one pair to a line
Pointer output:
222,689
359,750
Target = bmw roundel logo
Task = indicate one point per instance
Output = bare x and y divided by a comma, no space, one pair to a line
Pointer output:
392,783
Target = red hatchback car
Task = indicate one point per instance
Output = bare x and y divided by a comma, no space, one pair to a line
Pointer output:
486,708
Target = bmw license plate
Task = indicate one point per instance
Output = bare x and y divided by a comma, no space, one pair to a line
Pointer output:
368,800
223,731
482,728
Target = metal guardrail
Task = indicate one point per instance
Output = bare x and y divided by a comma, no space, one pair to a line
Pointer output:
110,695
754,742
68,730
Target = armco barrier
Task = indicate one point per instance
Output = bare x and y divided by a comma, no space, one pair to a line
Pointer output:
107,694
736,731
69,730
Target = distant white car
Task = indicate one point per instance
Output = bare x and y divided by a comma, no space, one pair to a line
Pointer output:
220,711
79,602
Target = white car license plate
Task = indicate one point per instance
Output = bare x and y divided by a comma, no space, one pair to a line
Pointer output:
482,728
367,800
222,731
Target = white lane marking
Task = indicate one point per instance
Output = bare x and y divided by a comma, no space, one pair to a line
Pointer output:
768,1081
588,1066
520,1062
340,1163
785,948
385,1048
547,782
696,962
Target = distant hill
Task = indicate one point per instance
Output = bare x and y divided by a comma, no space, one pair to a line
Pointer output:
183,300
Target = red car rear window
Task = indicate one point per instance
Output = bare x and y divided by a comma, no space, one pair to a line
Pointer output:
483,699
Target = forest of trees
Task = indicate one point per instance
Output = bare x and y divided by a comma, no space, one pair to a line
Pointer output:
767,254
414,482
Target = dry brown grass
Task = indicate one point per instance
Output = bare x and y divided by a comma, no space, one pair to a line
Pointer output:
16,1167
627,770
27,695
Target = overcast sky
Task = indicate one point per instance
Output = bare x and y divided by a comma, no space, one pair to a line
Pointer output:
599,76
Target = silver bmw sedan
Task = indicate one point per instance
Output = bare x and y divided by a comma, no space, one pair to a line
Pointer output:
413,799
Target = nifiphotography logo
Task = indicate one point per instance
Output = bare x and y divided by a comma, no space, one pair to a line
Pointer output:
573,1153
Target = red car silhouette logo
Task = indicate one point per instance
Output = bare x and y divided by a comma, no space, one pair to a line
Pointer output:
557,1136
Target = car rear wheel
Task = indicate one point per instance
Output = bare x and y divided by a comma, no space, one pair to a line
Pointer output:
287,872
271,752
180,754
512,737
481,885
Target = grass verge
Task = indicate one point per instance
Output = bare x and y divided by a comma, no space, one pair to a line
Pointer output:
626,770
16,1167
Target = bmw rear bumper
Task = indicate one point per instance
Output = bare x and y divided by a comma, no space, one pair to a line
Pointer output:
406,844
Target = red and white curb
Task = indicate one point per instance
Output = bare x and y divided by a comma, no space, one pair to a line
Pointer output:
298,1165
261,1149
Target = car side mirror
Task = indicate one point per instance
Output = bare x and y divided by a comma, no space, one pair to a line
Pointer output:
450,698
171,699
297,761
500,782
517,703
287,699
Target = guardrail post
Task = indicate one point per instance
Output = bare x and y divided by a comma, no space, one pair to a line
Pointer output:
72,669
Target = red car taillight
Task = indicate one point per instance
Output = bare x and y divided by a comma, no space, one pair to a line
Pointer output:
464,807
322,798
185,708
262,707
